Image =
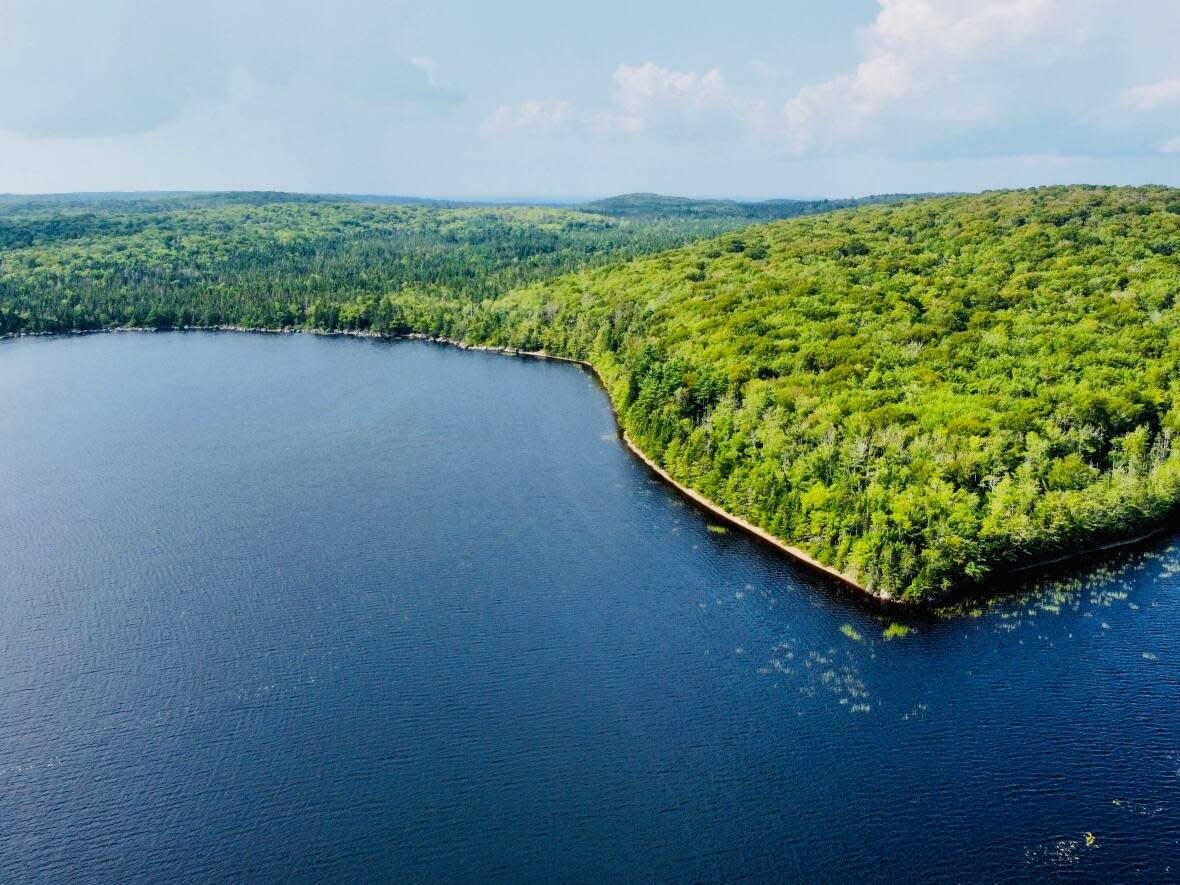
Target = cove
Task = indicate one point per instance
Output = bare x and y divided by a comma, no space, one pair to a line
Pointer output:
287,607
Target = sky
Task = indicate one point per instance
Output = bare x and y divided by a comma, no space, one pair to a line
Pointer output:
532,99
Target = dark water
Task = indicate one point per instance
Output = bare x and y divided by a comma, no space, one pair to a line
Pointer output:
281,608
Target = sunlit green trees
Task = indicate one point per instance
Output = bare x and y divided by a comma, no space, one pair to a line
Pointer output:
921,394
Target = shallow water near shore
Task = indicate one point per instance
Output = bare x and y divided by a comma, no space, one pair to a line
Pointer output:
295,608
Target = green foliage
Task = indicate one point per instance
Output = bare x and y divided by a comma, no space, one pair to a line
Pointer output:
851,632
281,260
653,206
920,395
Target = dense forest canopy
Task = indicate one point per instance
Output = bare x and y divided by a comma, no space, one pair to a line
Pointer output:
288,260
658,206
921,394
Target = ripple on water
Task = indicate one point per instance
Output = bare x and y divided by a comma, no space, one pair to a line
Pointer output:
352,610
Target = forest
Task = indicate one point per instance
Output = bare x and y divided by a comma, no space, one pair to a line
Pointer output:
923,394
658,206
270,260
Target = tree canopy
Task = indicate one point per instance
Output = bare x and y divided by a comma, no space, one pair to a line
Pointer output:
921,394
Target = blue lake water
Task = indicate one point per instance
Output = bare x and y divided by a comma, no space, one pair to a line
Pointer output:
281,608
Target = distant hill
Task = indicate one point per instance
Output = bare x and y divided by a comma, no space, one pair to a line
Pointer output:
659,206
85,261
170,201
635,206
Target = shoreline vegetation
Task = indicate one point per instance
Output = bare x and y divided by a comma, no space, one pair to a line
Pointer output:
699,499
795,553
696,497
920,396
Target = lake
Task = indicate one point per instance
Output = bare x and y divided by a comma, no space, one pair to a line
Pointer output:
296,608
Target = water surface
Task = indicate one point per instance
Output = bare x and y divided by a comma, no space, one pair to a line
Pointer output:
290,608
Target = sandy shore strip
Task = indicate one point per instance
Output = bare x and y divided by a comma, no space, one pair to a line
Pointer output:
695,496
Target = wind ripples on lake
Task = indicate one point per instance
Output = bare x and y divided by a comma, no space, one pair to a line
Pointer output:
283,607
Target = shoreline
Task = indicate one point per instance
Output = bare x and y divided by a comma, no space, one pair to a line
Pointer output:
799,555
1089,551
795,553
696,497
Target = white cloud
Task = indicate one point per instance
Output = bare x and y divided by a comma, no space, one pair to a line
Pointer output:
917,47
650,97
1152,96
528,115
933,79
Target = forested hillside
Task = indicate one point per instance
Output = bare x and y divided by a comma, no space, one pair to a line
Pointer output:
289,260
919,395
658,206
88,261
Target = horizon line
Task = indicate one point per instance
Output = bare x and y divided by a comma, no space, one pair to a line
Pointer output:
489,199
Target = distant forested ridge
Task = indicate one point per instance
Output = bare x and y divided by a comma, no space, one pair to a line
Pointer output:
920,394
658,206
90,261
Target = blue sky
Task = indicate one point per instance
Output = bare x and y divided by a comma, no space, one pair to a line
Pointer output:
529,98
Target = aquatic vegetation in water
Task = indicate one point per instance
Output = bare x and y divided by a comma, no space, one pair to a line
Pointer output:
1173,761
1086,592
717,529
1060,853
850,631
821,674
1138,808
896,631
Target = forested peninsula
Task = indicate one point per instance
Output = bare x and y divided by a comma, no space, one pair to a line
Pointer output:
921,394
